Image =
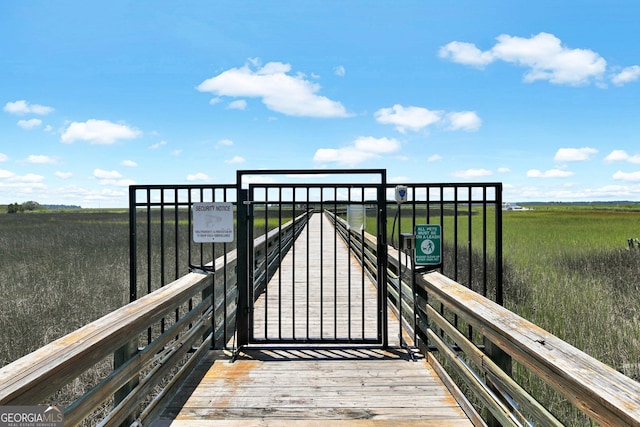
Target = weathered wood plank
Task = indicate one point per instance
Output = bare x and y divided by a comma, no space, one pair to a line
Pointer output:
35,376
328,387
257,421
600,391
308,386
318,291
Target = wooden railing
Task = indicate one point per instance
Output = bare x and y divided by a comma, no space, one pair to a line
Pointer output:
148,375
465,329
442,314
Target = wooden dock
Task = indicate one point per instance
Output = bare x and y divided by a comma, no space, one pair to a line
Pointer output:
316,385
318,292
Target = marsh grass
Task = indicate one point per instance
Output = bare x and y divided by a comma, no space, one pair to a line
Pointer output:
566,269
58,272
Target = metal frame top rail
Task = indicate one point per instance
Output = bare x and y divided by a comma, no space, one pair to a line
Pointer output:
474,258
285,194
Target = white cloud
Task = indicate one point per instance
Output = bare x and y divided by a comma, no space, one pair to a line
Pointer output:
4,174
176,152
98,132
504,170
362,149
64,175
3,157
466,53
112,178
103,174
543,55
157,145
376,145
129,163
622,156
344,156
43,160
224,143
472,173
418,118
627,75
240,104
412,118
339,71
23,107
29,124
235,160
623,176
198,177
616,156
29,178
434,158
552,173
464,120
292,95
574,154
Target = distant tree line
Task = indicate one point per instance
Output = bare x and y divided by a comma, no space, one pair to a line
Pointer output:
24,207
62,206
35,206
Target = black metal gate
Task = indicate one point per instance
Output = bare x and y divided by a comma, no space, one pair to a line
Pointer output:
277,224
306,286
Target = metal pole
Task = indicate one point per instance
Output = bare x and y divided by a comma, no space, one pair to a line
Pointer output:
382,258
242,309
133,254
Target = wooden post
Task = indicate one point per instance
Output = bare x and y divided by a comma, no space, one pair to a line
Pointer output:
120,357
503,360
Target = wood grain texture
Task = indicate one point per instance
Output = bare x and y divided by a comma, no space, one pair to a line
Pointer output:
606,395
316,385
304,386
318,292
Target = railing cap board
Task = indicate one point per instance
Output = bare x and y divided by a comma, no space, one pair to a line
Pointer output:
605,394
35,376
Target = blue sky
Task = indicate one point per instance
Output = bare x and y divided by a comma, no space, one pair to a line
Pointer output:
542,96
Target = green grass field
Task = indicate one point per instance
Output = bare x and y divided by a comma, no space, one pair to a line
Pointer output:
567,268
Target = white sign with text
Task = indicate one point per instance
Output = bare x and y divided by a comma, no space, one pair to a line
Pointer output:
212,222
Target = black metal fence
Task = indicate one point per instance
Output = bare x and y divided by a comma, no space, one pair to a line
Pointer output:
470,216
162,248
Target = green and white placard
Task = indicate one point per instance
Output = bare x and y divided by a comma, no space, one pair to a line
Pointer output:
428,244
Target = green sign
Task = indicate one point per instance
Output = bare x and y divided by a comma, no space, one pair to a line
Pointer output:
428,244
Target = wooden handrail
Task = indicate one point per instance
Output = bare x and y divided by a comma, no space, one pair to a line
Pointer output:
35,377
601,392
598,390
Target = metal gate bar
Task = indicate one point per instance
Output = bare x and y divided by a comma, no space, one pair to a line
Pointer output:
289,315
328,284
161,248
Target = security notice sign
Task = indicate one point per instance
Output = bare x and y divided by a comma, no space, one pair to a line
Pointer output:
428,244
212,222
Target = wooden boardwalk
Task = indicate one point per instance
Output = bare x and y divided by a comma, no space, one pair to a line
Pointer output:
319,292
316,385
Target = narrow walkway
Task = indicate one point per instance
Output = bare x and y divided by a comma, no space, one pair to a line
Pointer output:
316,385
319,291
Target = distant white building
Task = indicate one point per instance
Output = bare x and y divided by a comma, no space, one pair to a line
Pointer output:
506,206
